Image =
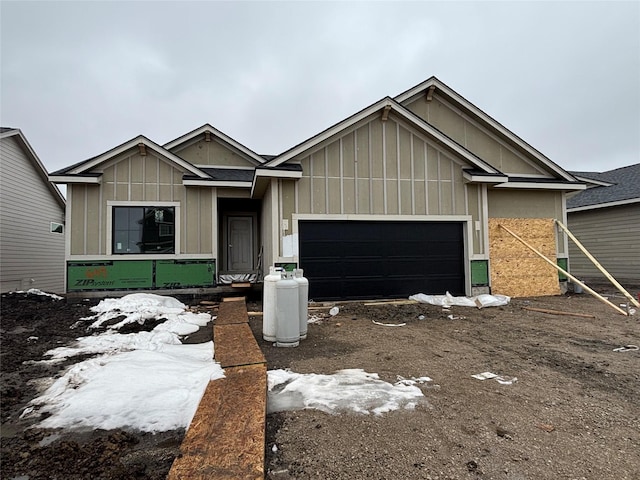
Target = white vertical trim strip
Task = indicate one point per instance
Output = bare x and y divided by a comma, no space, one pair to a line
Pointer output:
370,171
100,226
275,240
355,171
311,182
413,177
214,226
341,146
485,224
398,167
326,180
384,166
439,185
86,219
426,178
453,189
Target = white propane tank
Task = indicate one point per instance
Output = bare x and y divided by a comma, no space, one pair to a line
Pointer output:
287,312
269,305
303,300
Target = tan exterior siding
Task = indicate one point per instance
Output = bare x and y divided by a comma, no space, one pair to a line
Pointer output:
135,178
211,153
379,168
267,228
28,249
461,128
611,235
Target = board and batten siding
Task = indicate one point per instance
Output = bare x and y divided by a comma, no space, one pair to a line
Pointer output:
213,153
145,179
31,256
384,168
611,236
475,137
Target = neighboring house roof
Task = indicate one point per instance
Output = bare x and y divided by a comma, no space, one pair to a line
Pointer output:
614,187
6,132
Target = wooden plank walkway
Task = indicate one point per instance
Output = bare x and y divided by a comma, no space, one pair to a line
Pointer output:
226,437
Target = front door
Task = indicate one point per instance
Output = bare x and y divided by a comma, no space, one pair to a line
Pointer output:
240,243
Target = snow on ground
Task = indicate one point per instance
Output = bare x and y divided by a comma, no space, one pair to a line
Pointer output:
35,291
150,381
346,390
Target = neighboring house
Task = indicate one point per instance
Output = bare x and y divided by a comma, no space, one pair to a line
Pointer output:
404,196
32,209
605,218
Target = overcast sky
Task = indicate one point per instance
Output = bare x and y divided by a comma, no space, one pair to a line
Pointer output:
79,78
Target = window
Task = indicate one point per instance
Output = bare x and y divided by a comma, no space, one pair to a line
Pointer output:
143,230
57,227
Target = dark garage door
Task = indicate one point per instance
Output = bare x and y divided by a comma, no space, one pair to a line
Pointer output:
378,259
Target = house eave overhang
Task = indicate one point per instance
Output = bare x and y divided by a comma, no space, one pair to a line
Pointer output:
603,205
473,177
68,179
262,177
484,118
195,182
250,154
565,186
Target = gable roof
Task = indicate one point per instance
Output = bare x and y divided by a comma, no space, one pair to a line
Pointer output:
611,188
230,142
82,169
6,132
387,105
469,108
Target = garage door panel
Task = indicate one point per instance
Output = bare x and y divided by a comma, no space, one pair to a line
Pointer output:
368,259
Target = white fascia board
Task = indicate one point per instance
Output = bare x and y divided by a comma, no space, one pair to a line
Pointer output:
134,143
277,173
225,138
541,186
604,205
473,178
485,118
329,132
215,183
65,179
599,183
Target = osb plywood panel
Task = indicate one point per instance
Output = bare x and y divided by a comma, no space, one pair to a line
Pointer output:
226,437
235,345
232,312
516,270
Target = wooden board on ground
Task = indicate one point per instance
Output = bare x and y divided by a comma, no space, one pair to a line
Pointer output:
235,345
233,299
226,437
232,312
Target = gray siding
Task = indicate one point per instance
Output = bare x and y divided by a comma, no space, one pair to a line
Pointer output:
30,255
611,236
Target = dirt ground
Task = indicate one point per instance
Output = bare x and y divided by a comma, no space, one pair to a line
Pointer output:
573,413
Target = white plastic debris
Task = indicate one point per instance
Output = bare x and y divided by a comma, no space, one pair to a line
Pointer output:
274,449
389,324
420,317
484,375
448,300
334,311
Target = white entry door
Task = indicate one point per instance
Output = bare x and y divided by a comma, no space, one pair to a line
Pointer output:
240,243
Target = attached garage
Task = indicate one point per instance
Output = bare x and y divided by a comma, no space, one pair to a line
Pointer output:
384,259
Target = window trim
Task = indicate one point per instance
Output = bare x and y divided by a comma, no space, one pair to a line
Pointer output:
52,230
128,203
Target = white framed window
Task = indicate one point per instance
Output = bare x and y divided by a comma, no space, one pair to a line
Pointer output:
56,227
147,229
